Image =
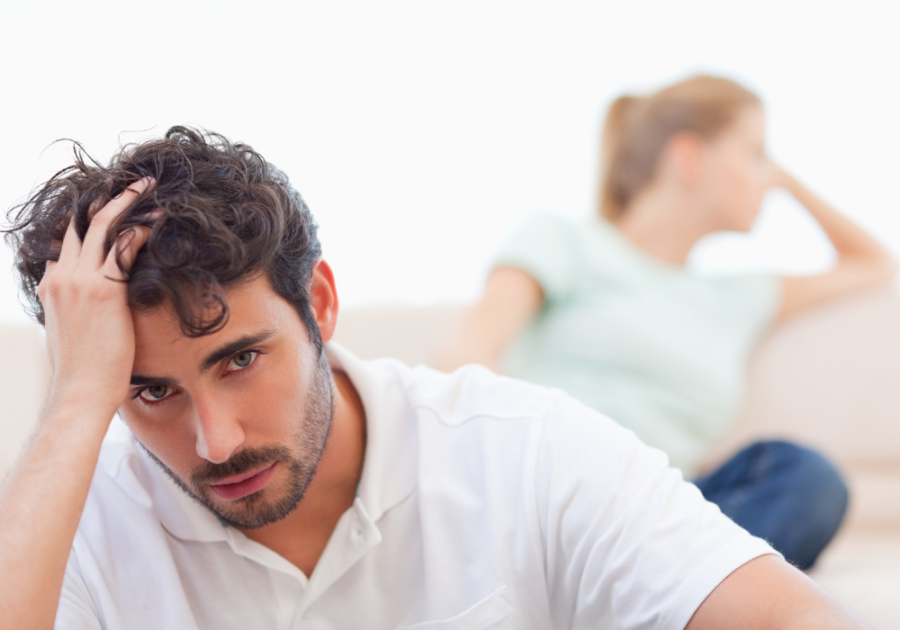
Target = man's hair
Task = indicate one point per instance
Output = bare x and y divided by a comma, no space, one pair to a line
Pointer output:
219,215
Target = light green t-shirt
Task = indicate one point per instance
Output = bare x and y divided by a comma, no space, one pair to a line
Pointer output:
659,349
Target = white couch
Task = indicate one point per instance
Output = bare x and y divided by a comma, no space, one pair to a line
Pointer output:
830,379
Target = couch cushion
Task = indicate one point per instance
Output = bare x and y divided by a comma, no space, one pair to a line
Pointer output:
24,382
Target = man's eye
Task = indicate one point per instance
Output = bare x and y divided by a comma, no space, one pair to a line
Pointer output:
155,393
243,359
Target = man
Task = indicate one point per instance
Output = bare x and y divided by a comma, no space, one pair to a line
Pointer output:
258,478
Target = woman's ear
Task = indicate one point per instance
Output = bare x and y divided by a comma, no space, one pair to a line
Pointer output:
323,299
684,153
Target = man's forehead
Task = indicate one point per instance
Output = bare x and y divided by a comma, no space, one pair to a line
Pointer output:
253,307
160,326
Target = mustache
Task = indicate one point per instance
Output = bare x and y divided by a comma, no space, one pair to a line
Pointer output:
239,463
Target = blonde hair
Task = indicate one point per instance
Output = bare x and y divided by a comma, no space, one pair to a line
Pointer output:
637,130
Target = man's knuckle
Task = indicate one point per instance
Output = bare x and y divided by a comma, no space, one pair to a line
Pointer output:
98,291
102,219
49,286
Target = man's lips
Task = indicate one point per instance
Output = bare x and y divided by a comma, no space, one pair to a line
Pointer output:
240,486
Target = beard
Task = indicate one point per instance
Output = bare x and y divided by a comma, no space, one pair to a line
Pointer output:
261,508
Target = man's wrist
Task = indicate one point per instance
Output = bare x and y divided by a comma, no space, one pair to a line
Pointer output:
82,407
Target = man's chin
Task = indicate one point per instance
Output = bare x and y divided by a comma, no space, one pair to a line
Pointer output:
253,511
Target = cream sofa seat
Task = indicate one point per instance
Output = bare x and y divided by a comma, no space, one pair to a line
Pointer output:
829,379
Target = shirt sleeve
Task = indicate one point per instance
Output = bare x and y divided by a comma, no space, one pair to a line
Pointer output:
76,610
629,544
542,247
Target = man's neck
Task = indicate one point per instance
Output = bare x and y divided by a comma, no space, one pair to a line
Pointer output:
302,535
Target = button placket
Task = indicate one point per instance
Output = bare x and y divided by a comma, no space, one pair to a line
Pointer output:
354,535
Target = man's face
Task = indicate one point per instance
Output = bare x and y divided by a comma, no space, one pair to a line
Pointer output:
238,418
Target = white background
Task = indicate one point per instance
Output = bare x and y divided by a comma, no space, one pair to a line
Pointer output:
420,132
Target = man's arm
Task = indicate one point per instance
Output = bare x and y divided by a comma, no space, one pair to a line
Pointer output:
768,594
90,339
629,543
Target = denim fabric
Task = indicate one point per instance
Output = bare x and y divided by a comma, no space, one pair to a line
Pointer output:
787,494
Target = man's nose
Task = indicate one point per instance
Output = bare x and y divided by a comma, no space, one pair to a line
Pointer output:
219,431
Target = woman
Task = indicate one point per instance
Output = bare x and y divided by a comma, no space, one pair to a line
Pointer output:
607,311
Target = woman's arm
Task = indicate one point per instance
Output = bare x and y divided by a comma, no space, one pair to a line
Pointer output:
510,301
862,261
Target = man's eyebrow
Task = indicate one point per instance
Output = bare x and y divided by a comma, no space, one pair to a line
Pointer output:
234,347
150,381
225,351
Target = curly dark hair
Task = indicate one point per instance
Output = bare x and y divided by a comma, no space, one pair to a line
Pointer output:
219,215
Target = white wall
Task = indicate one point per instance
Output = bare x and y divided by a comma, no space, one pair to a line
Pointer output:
419,132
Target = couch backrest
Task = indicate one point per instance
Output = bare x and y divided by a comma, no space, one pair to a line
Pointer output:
831,378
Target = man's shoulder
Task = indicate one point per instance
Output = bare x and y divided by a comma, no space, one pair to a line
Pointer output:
474,396
474,391
469,393
474,401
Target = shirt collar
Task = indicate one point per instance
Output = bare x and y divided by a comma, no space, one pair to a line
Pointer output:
142,479
391,455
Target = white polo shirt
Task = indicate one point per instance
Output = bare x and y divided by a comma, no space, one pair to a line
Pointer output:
485,502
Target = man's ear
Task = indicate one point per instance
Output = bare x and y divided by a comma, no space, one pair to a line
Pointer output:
323,299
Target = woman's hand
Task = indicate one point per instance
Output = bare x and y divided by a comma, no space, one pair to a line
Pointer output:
784,180
781,178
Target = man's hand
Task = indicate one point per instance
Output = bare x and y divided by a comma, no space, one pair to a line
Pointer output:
90,338
90,335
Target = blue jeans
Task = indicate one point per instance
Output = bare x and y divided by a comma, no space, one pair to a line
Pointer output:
789,495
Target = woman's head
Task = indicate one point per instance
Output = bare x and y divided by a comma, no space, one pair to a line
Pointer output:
720,119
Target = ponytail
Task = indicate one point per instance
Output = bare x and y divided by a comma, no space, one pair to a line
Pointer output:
620,113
